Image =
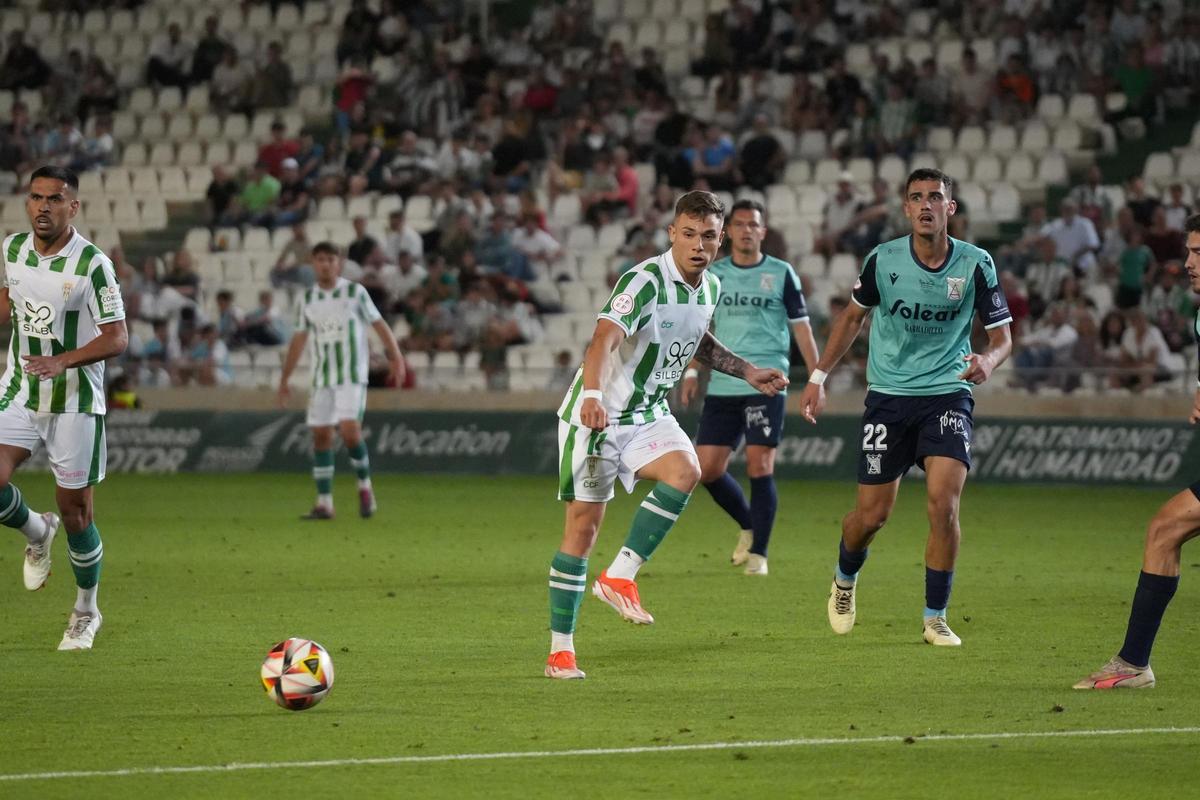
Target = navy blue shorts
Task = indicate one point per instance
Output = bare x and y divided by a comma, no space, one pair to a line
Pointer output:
1195,487
725,420
898,432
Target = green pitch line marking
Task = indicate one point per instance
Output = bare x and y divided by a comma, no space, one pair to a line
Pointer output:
599,751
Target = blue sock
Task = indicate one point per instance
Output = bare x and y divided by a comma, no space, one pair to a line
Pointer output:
937,591
728,495
763,502
849,563
1150,601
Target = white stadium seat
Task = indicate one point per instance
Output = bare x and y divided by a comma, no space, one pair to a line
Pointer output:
1159,168
1019,170
1053,170
987,169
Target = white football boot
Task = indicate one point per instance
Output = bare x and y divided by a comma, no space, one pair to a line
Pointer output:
741,553
37,556
1118,674
936,631
81,631
757,565
841,608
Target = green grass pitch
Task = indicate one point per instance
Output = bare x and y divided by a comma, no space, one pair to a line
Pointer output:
435,613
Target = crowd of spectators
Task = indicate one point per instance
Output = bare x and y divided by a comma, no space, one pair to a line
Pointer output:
496,133
1099,294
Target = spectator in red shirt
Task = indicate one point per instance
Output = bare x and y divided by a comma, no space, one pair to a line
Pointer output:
277,149
541,96
352,87
1015,90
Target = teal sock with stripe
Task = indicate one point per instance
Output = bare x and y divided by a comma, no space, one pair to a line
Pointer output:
568,581
651,524
86,552
323,471
361,461
13,511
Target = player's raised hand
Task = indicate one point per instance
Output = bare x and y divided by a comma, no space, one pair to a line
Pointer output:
768,381
593,415
1194,417
44,367
979,368
688,389
812,401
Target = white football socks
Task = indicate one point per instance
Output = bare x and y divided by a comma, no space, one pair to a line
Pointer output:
325,501
35,528
85,600
626,565
562,641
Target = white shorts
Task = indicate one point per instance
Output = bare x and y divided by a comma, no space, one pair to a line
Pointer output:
75,443
591,461
329,405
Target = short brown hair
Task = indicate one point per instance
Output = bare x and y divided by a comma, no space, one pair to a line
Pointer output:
929,174
1192,224
328,248
699,204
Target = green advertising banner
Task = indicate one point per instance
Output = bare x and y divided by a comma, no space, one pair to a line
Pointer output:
1014,450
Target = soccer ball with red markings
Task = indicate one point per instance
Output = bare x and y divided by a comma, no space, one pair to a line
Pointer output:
297,674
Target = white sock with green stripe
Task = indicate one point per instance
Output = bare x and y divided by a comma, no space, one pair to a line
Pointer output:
87,554
651,524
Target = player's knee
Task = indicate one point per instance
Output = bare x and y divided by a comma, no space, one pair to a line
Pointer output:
711,472
943,513
1165,532
76,517
873,518
686,476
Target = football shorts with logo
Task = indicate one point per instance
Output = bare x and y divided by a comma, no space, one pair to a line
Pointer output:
724,421
900,431
329,405
590,462
75,443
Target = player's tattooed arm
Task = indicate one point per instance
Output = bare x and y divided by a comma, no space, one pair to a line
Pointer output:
712,353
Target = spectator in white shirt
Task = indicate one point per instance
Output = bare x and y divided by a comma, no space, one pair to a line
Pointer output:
1074,237
1177,210
455,159
1145,356
1045,347
840,211
170,59
402,238
538,246
409,275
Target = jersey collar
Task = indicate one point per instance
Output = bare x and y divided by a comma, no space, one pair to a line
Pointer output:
668,262
762,260
916,260
68,249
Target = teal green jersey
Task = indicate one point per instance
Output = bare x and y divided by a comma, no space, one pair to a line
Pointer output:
921,327
757,303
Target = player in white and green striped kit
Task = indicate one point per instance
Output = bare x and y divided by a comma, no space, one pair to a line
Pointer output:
615,422
67,319
332,320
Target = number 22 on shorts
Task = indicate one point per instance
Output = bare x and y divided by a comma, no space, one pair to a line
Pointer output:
874,438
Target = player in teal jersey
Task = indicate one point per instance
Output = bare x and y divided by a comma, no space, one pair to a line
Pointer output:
1177,521
925,289
760,310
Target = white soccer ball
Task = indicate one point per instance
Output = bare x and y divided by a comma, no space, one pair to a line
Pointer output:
297,674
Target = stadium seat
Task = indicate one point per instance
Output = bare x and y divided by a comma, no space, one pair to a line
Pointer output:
153,214
162,155
125,213
691,10
419,213
125,125
827,172
581,239
797,173
14,213
169,99
858,57
287,18
1035,138
919,23
145,182
985,51
90,184
189,155
811,200
256,240
197,100
892,169
331,208
1115,102
134,155
813,144
974,198
622,33
610,238
315,13
149,20
1050,108
1189,165
940,140
892,49
949,54
1068,138
863,169
208,128
1019,170
245,153
1159,168
1005,203
781,203
1084,109
180,129
97,210
649,33
575,296
566,211
236,127
1002,140
1053,170
972,140
843,269
153,128
141,101
956,165
120,21
986,169
40,25
605,11
172,182
917,50
118,182
216,153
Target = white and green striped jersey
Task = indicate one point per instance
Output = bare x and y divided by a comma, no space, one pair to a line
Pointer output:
664,319
336,321
58,304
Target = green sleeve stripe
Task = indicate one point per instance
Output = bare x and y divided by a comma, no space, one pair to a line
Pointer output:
14,247
31,381
85,260
566,472
576,388
653,269
99,283
621,287
640,376
353,352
